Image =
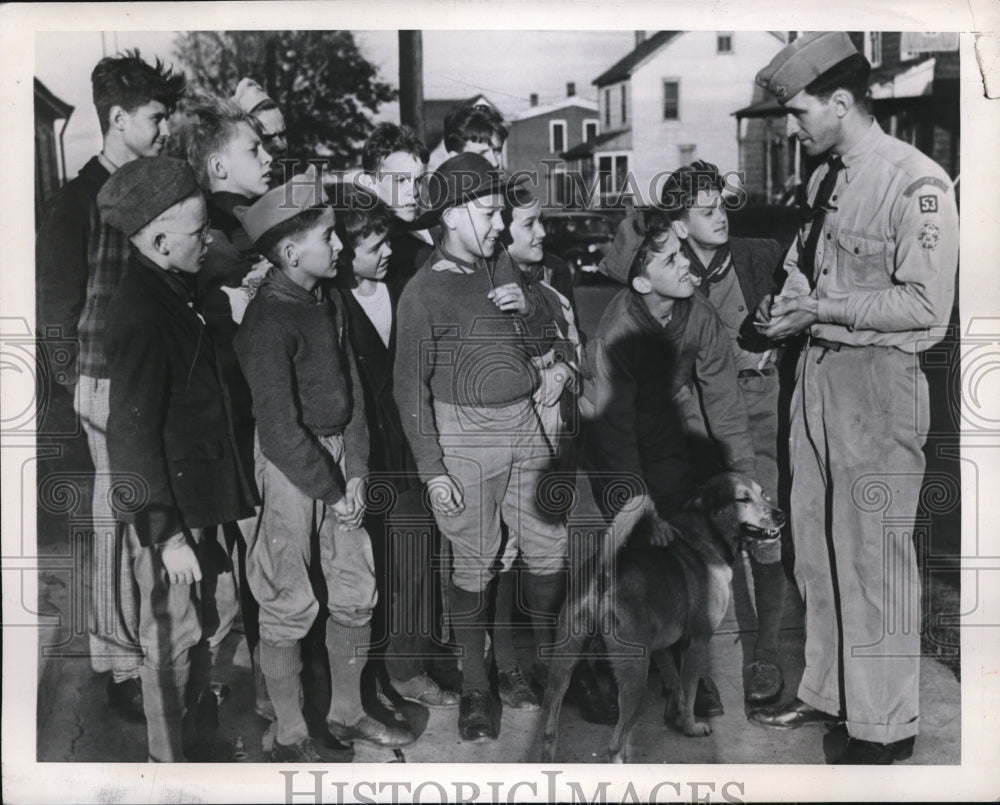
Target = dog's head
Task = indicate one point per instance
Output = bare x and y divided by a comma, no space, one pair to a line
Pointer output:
739,509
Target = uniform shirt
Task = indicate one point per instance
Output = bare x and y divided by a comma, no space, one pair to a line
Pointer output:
726,297
887,256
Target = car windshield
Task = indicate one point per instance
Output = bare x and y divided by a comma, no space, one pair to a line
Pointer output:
583,225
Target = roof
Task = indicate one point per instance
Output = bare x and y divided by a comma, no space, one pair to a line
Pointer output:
437,109
622,68
587,149
45,101
535,111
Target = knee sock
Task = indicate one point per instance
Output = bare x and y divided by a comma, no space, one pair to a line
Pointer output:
281,667
347,647
769,584
467,616
544,596
503,622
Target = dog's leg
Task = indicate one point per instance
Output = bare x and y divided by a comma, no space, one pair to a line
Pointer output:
576,623
694,665
631,674
666,665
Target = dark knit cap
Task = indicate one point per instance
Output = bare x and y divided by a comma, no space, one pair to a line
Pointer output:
141,190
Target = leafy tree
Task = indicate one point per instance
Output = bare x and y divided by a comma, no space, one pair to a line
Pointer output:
319,79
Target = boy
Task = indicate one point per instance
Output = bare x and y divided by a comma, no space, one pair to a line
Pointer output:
312,451
252,99
465,380
735,274
403,544
168,431
79,263
473,129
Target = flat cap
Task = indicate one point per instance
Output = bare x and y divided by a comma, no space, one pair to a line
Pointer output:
142,189
281,203
797,65
459,180
250,95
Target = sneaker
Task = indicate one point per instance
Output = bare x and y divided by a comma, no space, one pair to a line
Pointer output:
515,692
125,698
475,717
302,752
765,684
372,732
424,690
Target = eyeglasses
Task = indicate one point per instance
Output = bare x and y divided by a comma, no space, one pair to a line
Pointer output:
202,233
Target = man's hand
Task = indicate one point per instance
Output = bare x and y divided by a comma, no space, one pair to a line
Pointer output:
663,534
509,298
446,495
764,309
350,509
180,561
552,381
788,316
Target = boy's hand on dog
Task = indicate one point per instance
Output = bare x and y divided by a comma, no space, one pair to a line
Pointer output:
180,561
552,381
663,534
509,298
446,495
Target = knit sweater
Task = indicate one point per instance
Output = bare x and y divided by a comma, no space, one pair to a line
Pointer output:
294,351
455,346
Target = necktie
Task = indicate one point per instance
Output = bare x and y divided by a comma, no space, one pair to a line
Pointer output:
816,215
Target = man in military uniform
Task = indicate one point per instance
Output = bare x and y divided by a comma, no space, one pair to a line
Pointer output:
871,279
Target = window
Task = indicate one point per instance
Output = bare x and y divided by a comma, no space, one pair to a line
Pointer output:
873,47
612,172
557,136
671,100
607,107
589,130
724,43
624,104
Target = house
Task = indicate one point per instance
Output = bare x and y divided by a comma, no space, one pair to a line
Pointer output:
914,96
539,136
667,103
50,158
435,111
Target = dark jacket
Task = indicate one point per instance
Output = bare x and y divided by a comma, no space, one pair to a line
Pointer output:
758,266
390,452
169,428
294,350
643,377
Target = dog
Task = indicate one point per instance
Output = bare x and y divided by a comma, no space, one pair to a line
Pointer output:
659,586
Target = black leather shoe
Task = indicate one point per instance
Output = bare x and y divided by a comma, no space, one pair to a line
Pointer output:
707,702
585,692
125,698
792,716
765,683
870,753
476,722
372,732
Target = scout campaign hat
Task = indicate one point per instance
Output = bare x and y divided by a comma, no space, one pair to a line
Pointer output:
797,65
142,189
286,201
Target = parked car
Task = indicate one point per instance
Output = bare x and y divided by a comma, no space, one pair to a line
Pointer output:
581,238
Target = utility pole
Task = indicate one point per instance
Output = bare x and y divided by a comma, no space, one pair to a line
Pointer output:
411,81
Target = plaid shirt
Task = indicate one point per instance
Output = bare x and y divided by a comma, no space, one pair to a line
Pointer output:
79,263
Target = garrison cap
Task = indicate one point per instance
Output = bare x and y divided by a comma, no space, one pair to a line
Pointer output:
639,224
250,95
800,63
140,190
459,180
279,204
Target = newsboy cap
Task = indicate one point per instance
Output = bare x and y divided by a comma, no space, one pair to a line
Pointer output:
459,180
800,63
250,95
281,203
142,189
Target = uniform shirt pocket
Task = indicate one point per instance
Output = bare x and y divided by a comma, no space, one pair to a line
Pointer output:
861,262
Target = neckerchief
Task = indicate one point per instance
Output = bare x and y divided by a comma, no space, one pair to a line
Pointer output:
716,270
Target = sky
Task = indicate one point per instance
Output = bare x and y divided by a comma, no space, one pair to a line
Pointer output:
508,66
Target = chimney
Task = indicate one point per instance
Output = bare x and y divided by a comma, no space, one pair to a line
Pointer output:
640,37
533,99
570,89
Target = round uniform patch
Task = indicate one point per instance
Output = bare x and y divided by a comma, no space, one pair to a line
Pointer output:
929,236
